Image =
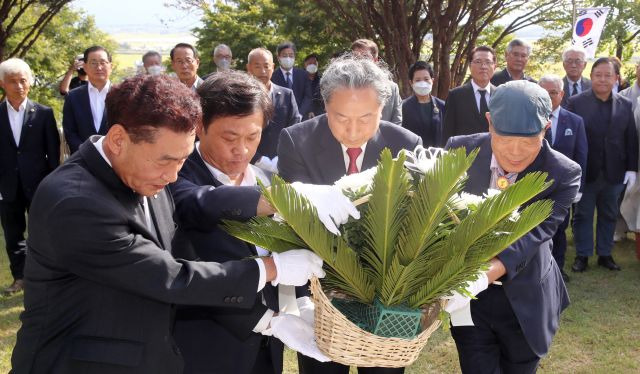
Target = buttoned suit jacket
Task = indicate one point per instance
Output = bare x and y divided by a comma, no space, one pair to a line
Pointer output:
77,119
36,155
571,140
585,83
309,153
502,77
100,284
301,88
462,116
213,339
619,153
412,120
533,283
285,114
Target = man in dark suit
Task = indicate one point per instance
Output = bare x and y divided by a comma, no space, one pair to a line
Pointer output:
574,60
100,279
516,55
422,112
83,113
260,65
466,105
612,163
29,150
347,139
515,317
293,78
567,136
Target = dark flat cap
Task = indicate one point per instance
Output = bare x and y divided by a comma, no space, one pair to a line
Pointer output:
519,108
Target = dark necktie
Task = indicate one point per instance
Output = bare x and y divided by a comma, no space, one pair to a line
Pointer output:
289,82
575,88
548,135
484,108
353,154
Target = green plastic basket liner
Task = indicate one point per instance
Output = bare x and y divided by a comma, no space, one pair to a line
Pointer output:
395,321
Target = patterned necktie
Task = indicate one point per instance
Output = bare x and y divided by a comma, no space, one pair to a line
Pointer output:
289,82
575,88
353,154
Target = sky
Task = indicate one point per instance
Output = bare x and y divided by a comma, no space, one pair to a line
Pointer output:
119,16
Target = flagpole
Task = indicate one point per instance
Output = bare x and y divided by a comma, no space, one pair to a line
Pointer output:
573,15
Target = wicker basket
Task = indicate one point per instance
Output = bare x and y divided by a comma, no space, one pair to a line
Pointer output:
345,343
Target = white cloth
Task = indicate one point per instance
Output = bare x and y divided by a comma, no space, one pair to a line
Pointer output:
629,178
96,101
296,334
359,159
16,119
296,266
459,305
487,96
554,124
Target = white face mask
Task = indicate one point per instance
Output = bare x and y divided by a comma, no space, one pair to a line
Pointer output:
223,64
286,62
154,70
312,68
422,88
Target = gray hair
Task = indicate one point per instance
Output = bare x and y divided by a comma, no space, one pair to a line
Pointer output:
353,72
574,48
519,43
13,66
219,47
255,51
552,78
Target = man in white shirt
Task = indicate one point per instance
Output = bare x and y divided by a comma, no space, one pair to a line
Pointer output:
185,63
83,113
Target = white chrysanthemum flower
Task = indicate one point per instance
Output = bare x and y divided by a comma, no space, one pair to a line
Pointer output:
356,181
491,192
422,159
463,200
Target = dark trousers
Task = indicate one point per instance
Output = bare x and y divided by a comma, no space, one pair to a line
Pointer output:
603,196
14,224
496,343
560,242
308,365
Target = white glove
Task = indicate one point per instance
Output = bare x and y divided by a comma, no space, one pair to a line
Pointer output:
296,334
578,197
268,164
296,267
629,178
333,207
306,308
458,304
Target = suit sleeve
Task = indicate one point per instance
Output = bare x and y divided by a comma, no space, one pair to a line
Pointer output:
95,241
449,124
203,207
70,125
294,114
396,111
581,151
290,165
517,256
52,140
631,135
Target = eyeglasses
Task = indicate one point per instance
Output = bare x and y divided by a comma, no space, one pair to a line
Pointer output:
482,62
572,61
187,61
101,63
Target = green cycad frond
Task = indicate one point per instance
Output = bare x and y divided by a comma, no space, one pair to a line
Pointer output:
301,215
382,219
266,233
428,207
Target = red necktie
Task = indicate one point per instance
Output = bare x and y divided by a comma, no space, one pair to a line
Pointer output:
353,154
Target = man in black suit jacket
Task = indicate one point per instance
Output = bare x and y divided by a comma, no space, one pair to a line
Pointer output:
345,140
293,78
83,113
516,56
29,150
612,163
574,60
260,65
515,318
466,105
100,279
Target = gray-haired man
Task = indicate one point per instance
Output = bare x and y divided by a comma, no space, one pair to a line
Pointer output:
517,55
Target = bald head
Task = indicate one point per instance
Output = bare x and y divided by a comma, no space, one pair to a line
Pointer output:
260,65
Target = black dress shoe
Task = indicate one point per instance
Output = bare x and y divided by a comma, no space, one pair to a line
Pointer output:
580,264
565,276
607,262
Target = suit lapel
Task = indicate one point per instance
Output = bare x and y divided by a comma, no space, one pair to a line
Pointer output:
85,106
479,175
5,129
561,127
29,113
329,154
373,150
163,223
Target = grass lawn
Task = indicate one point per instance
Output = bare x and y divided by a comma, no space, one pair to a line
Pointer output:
599,332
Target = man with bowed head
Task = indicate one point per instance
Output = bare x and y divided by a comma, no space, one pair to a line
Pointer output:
509,326
100,278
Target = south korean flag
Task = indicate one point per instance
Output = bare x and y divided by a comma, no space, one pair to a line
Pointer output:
589,25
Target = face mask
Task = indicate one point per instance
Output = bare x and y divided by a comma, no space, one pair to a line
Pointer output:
223,64
312,68
154,70
422,88
286,62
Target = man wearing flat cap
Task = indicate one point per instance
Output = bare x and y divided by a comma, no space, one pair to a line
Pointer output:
511,323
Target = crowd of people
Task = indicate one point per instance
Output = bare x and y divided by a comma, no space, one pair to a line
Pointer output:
128,226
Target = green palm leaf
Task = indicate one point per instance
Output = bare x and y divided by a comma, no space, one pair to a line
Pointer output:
266,233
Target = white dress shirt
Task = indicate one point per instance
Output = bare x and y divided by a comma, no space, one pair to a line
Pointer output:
284,74
359,159
571,83
96,100
197,83
16,119
554,124
487,95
